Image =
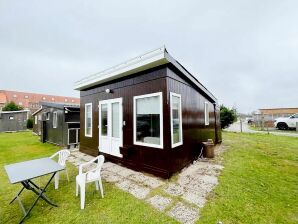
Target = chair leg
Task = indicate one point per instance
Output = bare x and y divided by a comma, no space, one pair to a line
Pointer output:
96,185
82,188
67,174
56,180
101,188
77,188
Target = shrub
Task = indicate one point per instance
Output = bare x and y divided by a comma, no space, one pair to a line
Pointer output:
11,106
227,116
30,123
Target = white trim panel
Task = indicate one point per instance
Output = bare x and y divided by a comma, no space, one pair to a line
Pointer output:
180,119
161,120
90,135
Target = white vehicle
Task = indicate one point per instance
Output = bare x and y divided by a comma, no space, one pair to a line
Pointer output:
284,123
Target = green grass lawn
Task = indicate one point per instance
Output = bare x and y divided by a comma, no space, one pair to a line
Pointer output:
259,183
116,207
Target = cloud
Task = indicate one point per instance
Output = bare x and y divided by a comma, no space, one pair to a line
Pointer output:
245,52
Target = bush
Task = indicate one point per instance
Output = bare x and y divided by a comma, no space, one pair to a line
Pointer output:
11,106
30,123
227,116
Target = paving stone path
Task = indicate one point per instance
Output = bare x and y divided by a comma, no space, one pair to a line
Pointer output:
180,197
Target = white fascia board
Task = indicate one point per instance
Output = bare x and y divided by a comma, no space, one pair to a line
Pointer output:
141,63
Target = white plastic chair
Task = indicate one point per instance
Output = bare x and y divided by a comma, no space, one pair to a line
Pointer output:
62,156
92,175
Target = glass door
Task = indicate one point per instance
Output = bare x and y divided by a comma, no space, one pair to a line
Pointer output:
110,126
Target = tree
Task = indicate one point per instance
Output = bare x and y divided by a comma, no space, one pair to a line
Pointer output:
11,106
227,116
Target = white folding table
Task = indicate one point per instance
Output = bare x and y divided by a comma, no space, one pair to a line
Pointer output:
24,172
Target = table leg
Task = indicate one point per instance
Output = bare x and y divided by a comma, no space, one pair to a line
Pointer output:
40,194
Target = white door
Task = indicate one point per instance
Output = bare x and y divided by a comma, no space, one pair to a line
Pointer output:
110,126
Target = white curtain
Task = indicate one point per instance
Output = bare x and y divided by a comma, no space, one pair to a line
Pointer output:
148,105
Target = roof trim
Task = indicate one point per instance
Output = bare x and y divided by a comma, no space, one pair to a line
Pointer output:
11,112
40,109
143,62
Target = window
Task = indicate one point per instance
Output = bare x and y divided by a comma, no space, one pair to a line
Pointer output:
206,113
11,117
88,119
48,116
43,98
20,103
148,120
35,119
176,119
26,97
65,100
55,119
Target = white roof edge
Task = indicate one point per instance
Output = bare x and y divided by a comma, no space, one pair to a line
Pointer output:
37,111
139,63
18,111
143,62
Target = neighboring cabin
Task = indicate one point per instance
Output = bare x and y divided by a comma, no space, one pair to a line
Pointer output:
11,121
58,123
31,101
148,113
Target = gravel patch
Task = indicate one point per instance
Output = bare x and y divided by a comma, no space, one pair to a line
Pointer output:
125,172
184,214
110,177
153,182
159,202
174,189
115,169
134,189
195,197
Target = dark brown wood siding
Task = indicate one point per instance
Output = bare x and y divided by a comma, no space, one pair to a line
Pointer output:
193,120
165,79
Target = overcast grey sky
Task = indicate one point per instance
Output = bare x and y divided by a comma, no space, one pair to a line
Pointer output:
245,52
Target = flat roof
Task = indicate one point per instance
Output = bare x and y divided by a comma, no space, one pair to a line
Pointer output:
151,59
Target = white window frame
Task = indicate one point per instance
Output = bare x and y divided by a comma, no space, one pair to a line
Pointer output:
86,105
160,146
206,110
35,119
55,122
180,118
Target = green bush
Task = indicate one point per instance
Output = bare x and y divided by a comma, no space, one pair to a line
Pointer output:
11,106
30,123
227,116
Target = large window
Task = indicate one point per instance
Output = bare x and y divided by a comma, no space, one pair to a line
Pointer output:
148,120
88,119
206,113
55,119
176,119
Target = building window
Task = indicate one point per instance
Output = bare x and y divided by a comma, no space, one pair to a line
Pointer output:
65,100
11,117
35,119
176,119
20,103
206,113
53,99
88,119
55,119
26,97
48,116
43,98
72,101
14,96
148,120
